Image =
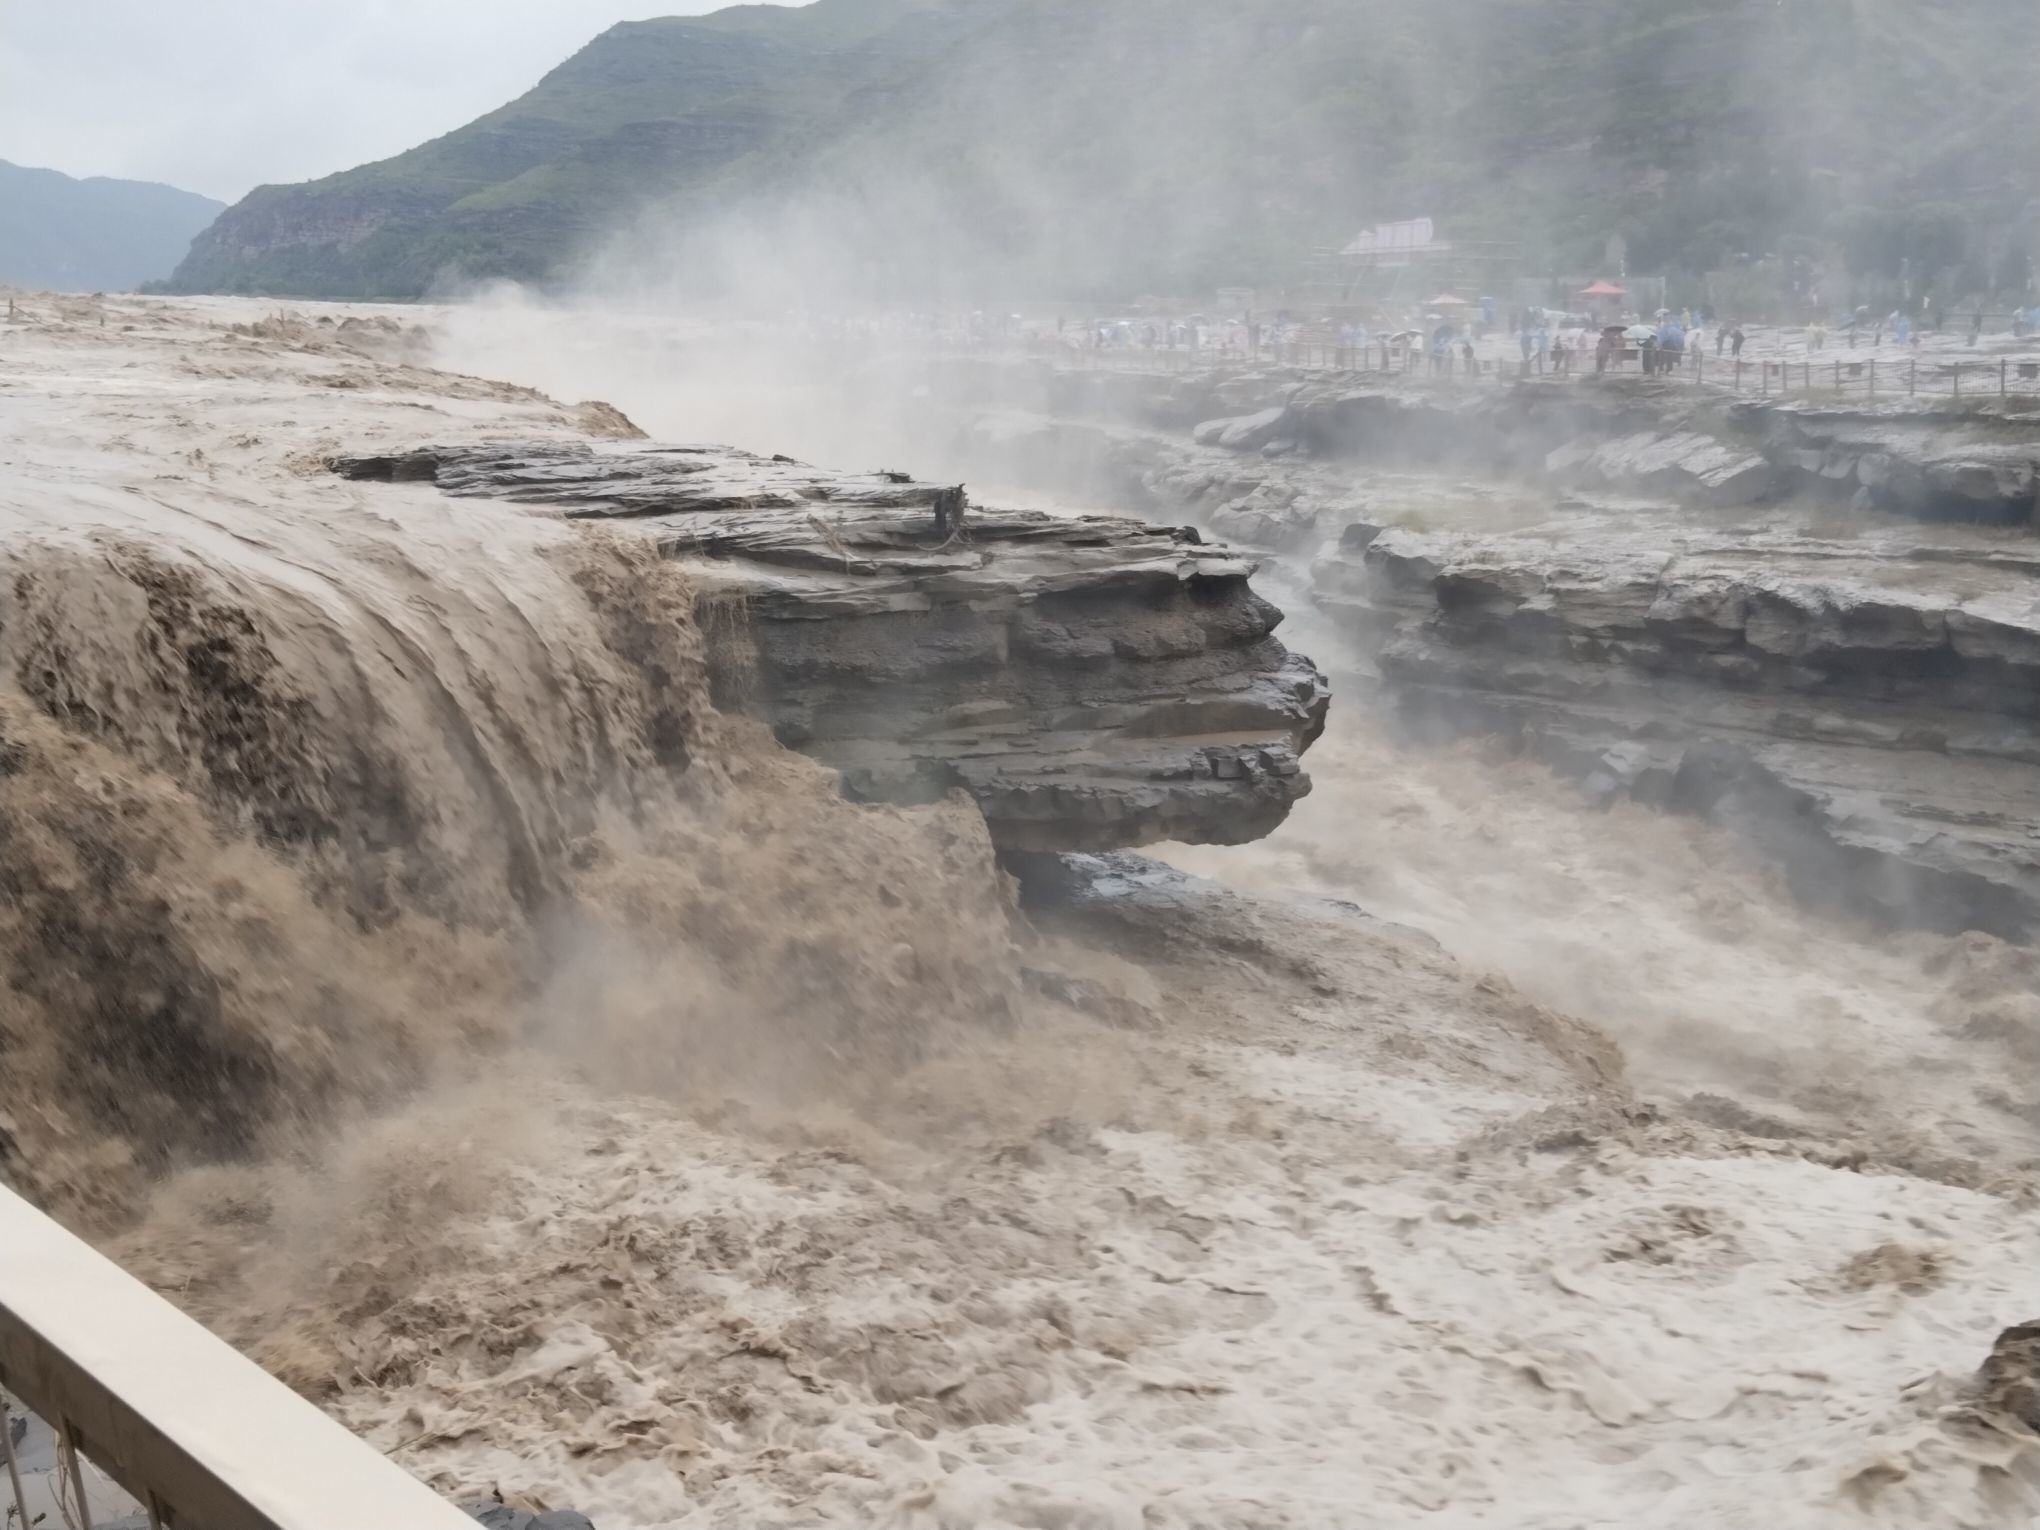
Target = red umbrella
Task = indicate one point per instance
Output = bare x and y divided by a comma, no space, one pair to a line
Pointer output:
1603,289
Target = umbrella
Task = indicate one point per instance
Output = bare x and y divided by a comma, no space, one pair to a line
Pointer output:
1603,289
1638,332
1447,300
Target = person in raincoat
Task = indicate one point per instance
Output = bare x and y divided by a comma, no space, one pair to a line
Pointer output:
1605,348
1441,348
1671,343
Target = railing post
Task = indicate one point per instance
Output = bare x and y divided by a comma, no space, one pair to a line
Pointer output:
1912,377
13,1466
1838,376
2003,377
67,1435
1873,377
1957,392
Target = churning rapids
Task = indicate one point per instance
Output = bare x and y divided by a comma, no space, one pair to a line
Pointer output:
405,968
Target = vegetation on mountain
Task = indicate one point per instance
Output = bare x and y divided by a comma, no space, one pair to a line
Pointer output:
1071,148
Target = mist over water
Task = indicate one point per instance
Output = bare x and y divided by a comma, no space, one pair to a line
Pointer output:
1748,1024
1674,938
410,971
306,812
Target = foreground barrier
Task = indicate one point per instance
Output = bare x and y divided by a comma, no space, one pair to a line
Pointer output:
199,1434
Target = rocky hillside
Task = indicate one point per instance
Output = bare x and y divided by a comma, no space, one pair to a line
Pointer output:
1065,146
93,235
648,108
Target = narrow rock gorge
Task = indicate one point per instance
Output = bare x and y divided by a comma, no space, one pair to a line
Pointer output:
1816,622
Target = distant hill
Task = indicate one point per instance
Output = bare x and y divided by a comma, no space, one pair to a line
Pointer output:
1115,146
649,108
94,235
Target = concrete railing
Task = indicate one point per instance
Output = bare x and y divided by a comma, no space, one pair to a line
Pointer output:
201,1436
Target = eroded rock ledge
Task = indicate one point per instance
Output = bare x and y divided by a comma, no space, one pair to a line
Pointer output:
1865,709
1093,681
1815,623
1173,436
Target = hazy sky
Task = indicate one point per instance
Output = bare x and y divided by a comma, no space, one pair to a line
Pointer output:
217,96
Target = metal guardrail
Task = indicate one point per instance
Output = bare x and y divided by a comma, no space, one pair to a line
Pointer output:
200,1435
1893,375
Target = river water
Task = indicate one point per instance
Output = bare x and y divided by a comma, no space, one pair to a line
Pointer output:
409,973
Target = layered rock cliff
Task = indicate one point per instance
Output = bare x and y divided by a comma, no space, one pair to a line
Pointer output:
1866,711
1920,459
1819,623
1091,681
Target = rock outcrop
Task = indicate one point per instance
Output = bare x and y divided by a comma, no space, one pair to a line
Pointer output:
1092,681
1687,465
1819,624
1917,458
1865,709
1933,462
497,1516
1249,433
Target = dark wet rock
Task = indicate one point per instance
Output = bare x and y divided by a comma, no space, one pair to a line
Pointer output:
1151,903
591,482
498,1516
1092,681
2009,1382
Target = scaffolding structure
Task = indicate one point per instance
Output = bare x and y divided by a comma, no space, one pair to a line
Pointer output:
1394,267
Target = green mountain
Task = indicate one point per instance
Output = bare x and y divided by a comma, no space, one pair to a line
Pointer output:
94,235
1075,147
649,108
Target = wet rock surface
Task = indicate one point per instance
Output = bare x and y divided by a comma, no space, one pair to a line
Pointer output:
1818,623
1151,904
1934,463
2008,1384
1910,457
1864,709
1093,681
498,1516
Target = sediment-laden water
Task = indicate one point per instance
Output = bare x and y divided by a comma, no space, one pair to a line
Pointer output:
408,971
